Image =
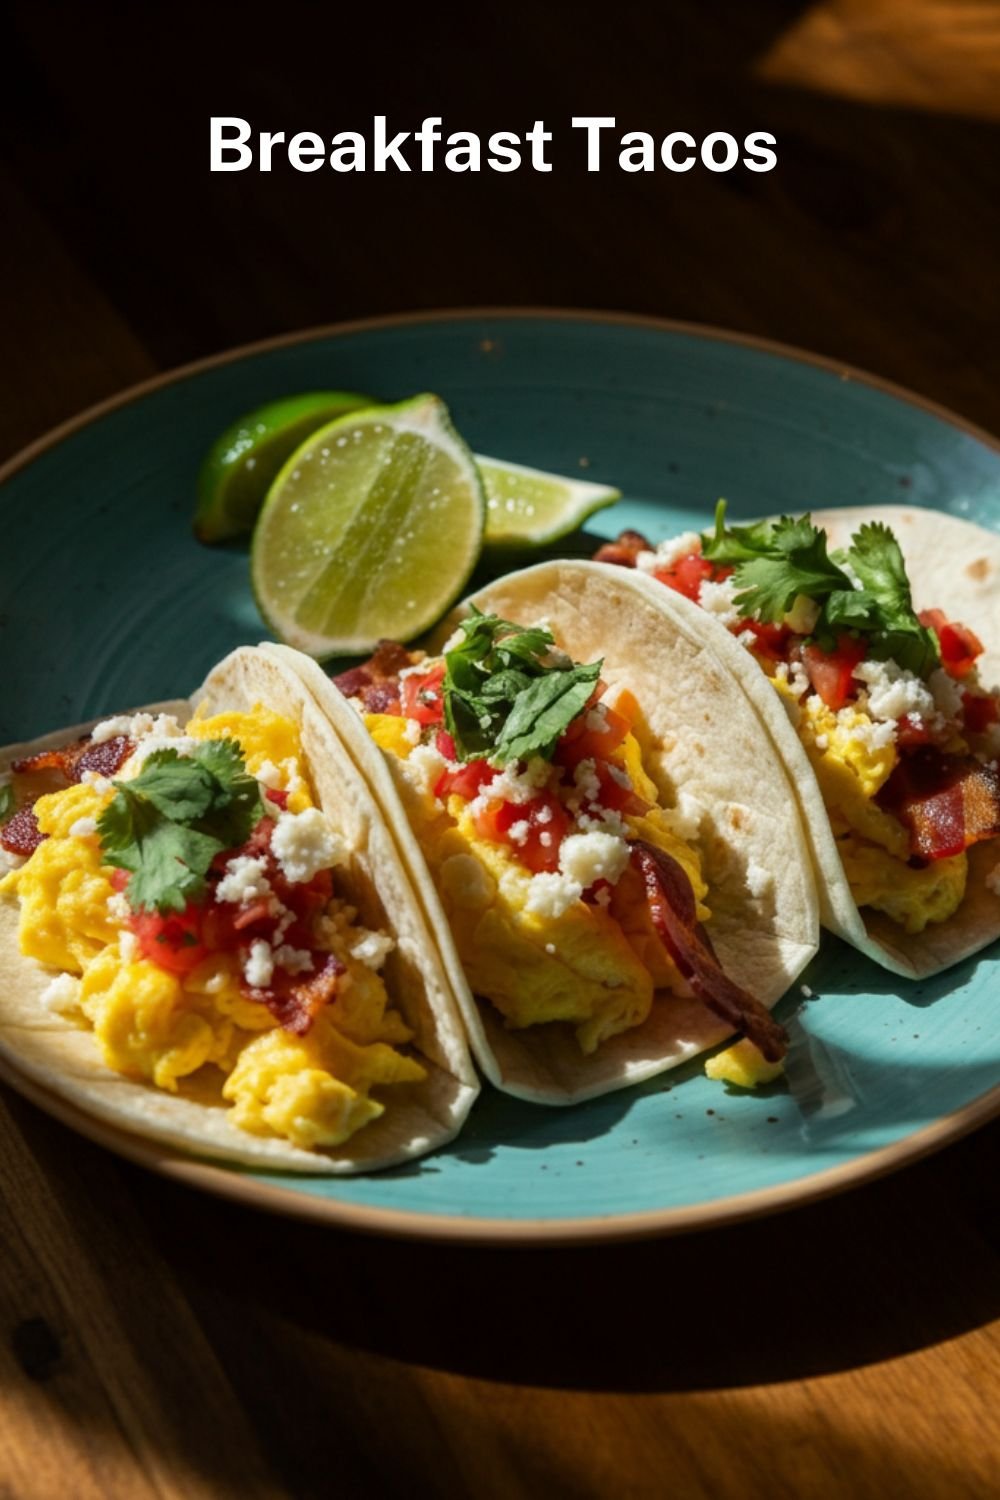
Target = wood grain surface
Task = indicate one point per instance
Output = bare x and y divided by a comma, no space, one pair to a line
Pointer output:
154,1342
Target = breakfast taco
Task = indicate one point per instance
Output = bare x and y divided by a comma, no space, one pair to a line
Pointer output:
600,831
878,635
207,938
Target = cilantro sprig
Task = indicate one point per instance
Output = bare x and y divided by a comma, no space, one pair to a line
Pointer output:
775,561
167,825
508,694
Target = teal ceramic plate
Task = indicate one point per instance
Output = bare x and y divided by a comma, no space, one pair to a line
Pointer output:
109,601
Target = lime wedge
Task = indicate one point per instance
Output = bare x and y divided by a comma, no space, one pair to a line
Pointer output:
370,530
526,507
241,463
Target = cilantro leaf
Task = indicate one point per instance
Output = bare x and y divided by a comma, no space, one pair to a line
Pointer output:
8,802
508,694
177,788
237,806
734,543
876,557
167,824
168,861
776,561
848,609
541,713
770,585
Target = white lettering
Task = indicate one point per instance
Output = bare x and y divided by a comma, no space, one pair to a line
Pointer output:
637,158
667,151
348,154
758,158
536,138
384,149
593,125
268,140
425,138
465,153
708,155
219,144
303,146
511,157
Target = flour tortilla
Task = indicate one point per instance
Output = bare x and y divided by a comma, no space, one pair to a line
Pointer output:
955,566
705,739
41,1046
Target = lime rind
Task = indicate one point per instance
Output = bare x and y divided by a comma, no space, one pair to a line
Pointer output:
242,463
528,507
371,528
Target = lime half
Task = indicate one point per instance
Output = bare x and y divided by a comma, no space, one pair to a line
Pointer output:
241,464
370,530
526,507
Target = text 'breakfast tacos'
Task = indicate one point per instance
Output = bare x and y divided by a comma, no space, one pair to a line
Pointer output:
602,833
207,938
878,635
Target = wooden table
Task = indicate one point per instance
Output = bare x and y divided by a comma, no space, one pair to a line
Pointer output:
158,1343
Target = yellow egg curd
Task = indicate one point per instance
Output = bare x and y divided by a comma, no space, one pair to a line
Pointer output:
593,966
851,765
162,1027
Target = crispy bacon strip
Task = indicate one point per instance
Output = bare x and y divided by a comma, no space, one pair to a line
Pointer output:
376,682
673,910
625,550
946,801
296,1004
21,833
104,759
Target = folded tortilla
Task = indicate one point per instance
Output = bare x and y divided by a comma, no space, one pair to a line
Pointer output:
706,740
43,1047
952,565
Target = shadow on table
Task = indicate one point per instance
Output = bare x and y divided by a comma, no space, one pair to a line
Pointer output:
901,1264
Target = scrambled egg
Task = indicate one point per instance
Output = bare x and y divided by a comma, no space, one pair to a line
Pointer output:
744,1065
874,846
157,1026
270,744
592,966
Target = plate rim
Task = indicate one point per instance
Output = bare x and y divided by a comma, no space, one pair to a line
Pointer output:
602,317
407,1224
410,1224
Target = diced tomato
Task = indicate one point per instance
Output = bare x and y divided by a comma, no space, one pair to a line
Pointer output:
423,697
172,940
910,733
548,825
445,745
770,640
687,575
580,742
959,648
620,799
981,710
277,796
178,941
466,781
959,645
830,672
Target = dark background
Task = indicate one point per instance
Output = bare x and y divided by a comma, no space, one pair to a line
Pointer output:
154,1342
872,241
